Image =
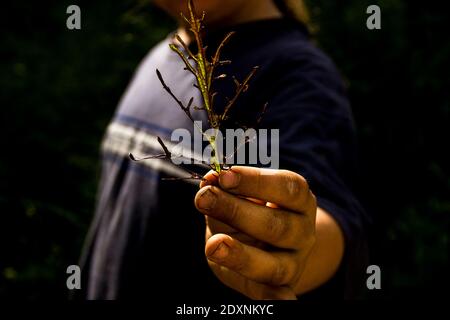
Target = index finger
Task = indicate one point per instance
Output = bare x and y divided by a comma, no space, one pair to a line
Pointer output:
285,188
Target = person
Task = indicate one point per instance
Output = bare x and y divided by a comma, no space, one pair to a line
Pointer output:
294,232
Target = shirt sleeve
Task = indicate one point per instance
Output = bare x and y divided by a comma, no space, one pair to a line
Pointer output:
317,140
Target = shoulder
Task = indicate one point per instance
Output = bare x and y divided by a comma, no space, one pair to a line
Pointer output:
300,76
297,57
157,55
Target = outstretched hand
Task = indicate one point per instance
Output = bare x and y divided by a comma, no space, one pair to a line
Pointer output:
261,228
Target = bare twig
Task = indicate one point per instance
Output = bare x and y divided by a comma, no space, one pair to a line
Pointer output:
204,71
240,88
169,91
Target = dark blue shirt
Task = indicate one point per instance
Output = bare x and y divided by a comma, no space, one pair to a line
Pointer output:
147,237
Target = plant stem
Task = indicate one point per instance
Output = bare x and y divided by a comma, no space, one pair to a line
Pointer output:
214,156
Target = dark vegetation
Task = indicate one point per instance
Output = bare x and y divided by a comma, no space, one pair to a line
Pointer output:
59,88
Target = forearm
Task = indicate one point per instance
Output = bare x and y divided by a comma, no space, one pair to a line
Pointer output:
325,256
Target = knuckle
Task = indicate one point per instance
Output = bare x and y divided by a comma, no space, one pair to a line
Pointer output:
298,236
295,184
277,227
312,240
305,238
309,205
308,242
279,275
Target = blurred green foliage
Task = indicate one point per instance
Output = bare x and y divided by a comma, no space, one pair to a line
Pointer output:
59,89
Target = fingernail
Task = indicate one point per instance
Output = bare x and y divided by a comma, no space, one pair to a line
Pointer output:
229,179
206,199
221,252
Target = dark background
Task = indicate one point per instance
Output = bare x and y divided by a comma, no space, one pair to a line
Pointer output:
59,88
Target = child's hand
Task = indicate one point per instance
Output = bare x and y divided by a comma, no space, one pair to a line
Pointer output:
260,229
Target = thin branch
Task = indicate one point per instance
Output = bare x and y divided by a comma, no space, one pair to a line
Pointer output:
169,91
135,159
186,47
166,151
168,156
204,72
241,87
261,114
189,66
224,62
185,18
240,145
216,59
